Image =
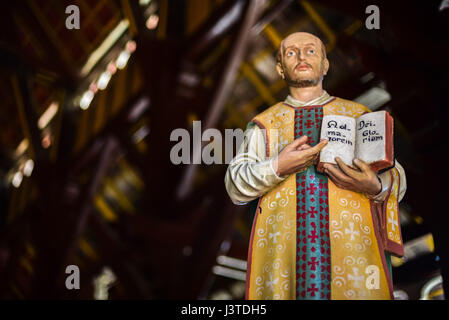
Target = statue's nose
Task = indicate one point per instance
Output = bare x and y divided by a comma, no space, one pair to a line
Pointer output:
301,56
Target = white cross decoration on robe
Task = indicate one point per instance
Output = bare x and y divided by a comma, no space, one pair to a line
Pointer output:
351,231
274,234
392,221
355,277
271,282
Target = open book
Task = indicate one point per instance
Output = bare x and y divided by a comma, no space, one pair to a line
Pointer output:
368,137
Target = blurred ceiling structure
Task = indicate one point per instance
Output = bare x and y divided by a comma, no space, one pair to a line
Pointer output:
87,114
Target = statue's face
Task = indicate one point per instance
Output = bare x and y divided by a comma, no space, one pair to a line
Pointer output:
303,63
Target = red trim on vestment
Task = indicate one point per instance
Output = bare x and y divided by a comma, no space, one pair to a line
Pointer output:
383,214
375,208
250,250
392,246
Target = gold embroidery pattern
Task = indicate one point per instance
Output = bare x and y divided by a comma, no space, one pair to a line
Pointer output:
344,108
274,239
357,270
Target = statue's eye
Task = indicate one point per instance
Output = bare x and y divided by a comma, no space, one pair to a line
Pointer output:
311,51
290,53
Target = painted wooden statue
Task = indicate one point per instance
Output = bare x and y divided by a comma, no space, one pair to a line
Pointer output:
315,235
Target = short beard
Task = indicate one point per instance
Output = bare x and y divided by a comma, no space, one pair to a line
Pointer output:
302,83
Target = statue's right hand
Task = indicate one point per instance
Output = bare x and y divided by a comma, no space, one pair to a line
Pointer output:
297,156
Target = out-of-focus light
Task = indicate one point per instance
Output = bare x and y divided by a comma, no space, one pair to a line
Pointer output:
367,77
103,282
110,40
93,87
189,79
131,46
141,134
400,295
28,168
187,251
48,115
17,179
86,99
444,5
112,68
228,19
374,98
229,273
144,2
46,141
21,148
232,262
430,286
139,108
152,22
122,59
103,80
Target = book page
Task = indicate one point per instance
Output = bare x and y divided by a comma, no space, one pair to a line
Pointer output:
370,140
340,131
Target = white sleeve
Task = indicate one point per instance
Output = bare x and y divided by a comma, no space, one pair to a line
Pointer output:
250,174
386,179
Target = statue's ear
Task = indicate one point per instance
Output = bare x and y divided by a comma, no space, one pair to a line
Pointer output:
326,66
280,70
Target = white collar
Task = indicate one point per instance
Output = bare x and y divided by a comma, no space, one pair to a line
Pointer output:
297,103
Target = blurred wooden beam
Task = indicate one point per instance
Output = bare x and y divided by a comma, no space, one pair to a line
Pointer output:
226,81
219,23
27,113
107,157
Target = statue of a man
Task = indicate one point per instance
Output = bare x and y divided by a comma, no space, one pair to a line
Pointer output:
314,235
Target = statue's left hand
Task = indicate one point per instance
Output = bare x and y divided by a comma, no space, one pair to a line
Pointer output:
363,180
